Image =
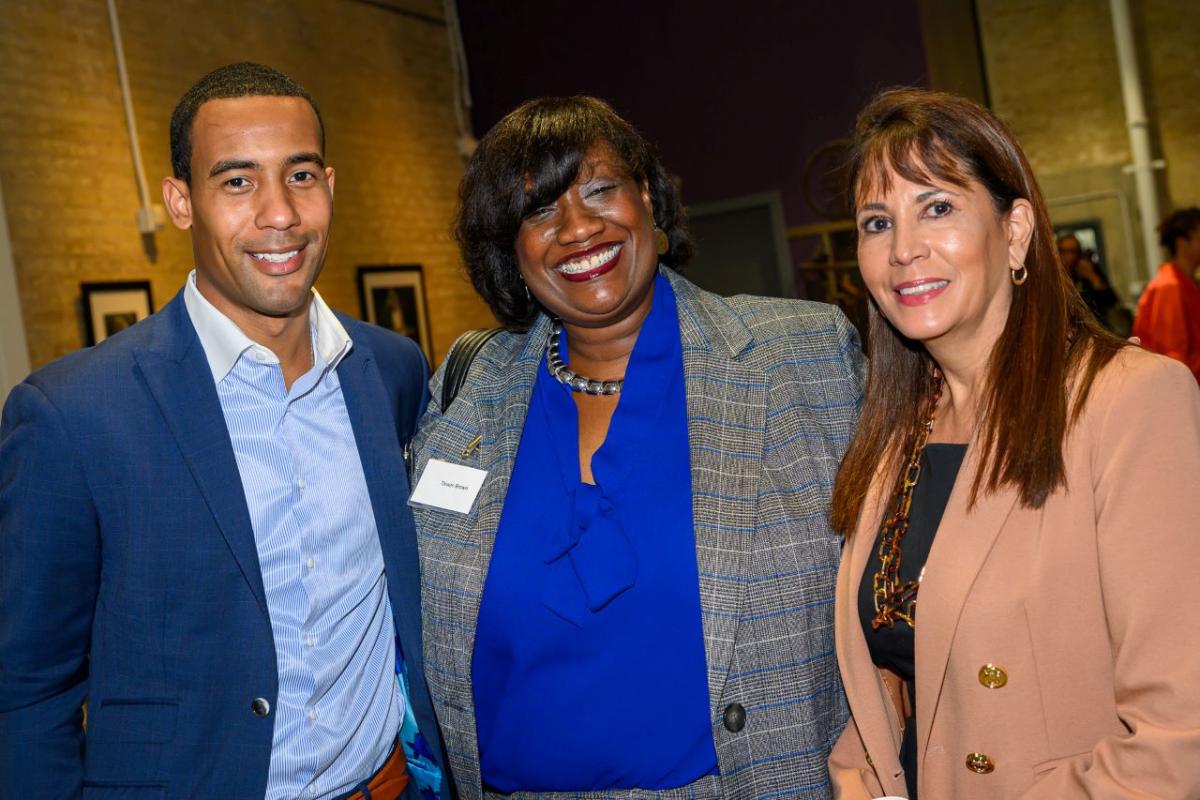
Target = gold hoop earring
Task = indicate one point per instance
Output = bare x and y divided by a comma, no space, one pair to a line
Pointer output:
1023,272
661,243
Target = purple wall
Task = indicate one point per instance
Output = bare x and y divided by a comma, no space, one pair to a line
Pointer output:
735,96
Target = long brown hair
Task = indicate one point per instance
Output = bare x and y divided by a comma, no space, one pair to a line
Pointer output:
1051,346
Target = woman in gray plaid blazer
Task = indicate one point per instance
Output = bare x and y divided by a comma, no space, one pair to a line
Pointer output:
567,218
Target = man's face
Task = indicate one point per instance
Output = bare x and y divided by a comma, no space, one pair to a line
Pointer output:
259,206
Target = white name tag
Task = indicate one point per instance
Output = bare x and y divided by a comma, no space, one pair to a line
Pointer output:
449,486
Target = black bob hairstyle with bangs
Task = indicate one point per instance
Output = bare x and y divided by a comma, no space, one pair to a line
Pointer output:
528,160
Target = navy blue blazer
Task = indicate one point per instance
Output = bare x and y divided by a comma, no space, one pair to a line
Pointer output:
129,575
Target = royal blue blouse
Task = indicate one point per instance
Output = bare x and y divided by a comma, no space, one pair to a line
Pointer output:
589,670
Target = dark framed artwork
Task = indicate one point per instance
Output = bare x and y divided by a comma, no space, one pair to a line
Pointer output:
393,296
110,307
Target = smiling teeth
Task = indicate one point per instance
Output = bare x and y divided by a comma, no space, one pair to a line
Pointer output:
923,288
275,258
591,262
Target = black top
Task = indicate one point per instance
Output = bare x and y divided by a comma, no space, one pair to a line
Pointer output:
894,647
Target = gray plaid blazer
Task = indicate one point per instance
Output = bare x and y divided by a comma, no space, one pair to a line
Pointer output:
773,393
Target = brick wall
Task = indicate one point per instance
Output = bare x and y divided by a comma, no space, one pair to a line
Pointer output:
381,78
1053,75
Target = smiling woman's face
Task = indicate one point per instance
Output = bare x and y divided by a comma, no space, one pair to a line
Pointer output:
936,259
589,257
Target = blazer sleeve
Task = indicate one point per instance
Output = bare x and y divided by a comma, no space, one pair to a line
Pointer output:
1146,467
414,385
49,576
852,777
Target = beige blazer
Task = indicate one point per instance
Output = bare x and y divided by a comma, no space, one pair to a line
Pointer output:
1057,650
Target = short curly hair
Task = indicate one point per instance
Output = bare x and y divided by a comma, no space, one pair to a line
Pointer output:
244,79
1179,225
529,159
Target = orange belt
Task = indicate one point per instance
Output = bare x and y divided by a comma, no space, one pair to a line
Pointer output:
389,782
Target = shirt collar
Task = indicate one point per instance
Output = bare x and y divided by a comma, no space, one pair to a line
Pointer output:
224,342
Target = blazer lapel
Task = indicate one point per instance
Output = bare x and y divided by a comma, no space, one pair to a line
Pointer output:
380,451
500,434
178,377
726,408
874,713
962,544
497,424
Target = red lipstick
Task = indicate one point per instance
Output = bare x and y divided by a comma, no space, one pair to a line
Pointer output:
589,264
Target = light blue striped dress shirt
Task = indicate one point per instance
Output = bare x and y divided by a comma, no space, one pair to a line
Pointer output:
339,706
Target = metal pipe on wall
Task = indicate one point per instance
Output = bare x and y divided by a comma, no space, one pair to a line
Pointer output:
462,81
14,355
146,220
1139,135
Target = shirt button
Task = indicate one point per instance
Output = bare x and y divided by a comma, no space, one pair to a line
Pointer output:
260,707
312,562
312,790
312,714
310,640
300,482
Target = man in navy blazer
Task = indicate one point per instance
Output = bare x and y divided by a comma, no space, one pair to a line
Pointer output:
203,522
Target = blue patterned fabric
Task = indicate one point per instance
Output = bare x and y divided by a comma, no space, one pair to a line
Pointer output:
582,575
423,772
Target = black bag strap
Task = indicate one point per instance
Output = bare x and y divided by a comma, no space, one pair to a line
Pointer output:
458,362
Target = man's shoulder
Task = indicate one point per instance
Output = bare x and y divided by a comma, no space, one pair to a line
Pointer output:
384,343
401,367
87,371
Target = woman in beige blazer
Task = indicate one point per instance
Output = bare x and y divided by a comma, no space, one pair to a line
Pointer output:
1017,596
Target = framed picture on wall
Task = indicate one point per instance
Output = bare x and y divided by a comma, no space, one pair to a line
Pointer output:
393,296
112,306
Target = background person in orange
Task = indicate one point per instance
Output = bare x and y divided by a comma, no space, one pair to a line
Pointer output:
1168,313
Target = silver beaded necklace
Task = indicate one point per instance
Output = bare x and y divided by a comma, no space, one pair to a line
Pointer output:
569,378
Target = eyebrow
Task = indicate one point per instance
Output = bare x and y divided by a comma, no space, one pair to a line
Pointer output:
921,198
230,164
306,158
